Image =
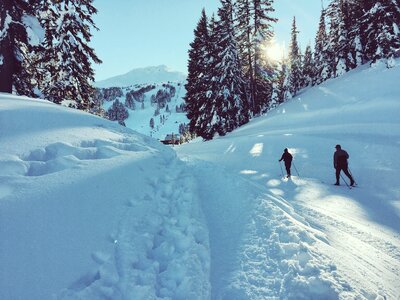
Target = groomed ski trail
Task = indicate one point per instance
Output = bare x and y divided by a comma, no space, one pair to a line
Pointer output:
261,248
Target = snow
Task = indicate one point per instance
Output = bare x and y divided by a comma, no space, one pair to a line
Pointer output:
304,238
93,210
34,30
148,75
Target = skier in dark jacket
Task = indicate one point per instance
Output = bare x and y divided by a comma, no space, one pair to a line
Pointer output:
340,163
287,158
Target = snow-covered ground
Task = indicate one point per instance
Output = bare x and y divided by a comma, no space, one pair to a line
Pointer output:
305,238
92,210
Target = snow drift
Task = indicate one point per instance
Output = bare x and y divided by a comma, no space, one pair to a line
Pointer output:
92,210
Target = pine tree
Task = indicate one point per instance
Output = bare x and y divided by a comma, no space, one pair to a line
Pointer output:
341,54
295,74
244,29
323,70
254,29
356,35
227,108
68,61
381,23
15,44
117,112
264,71
281,84
197,85
308,68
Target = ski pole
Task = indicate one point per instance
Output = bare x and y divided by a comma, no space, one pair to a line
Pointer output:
352,176
280,164
341,176
296,169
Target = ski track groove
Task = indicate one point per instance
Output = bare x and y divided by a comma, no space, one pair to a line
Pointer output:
156,246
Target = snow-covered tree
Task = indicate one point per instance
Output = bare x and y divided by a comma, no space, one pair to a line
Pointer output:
17,36
381,23
118,112
323,70
263,71
339,45
254,30
198,81
68,60
227,107
308,69
281,83
295,70
152,123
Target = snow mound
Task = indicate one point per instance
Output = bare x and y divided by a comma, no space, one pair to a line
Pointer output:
93,210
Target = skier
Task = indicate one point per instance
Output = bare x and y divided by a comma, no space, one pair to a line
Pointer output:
340,163
287,158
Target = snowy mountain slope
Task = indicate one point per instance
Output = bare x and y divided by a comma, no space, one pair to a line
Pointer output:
167,120
273,238
92,210
148,75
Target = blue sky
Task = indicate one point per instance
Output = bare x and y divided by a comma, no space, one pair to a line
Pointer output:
141,33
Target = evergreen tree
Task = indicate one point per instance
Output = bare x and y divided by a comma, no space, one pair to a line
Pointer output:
281,84
308,68
16,16
197,85
117,112
341,58
381,23
227,108
152,123
323,69
295,74
356,35
68,61
246,47
263,70
254,29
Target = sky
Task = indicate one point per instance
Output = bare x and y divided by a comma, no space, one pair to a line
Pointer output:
136,33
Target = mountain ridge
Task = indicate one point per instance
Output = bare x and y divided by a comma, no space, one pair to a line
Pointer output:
146,75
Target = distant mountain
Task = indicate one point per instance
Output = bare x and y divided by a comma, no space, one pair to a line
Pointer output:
148,75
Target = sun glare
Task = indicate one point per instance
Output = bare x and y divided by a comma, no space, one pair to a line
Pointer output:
275,51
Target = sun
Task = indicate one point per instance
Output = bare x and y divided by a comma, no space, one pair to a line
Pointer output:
275,51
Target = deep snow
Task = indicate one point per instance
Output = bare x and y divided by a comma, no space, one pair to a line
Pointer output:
92,210
305,238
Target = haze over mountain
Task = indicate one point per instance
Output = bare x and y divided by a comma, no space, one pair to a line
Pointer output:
148,75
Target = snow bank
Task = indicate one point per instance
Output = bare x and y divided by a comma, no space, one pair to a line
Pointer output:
92,210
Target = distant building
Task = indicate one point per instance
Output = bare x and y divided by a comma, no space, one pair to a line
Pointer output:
171,139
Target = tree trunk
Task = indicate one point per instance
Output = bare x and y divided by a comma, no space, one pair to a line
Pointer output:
7,66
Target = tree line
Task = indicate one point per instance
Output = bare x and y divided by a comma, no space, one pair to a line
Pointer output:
231,80
44,50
